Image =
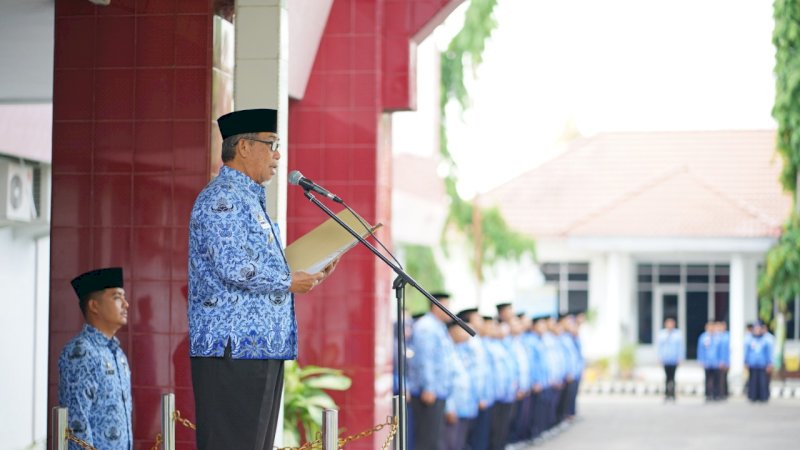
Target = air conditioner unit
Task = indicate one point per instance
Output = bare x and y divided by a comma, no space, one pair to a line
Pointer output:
16,192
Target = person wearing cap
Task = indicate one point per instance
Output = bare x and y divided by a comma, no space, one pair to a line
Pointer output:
430,375
94,377
242,324
482,372
506,384
758,361
670,353
542,392
462,405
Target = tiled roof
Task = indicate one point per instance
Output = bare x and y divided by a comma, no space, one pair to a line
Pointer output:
665,184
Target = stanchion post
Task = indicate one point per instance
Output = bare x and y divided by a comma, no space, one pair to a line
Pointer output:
167,421
396,411
60,428
330,429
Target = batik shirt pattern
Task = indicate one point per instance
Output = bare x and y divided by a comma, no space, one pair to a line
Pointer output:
238,275
95,386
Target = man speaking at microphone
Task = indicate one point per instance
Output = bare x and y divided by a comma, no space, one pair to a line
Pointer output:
241,292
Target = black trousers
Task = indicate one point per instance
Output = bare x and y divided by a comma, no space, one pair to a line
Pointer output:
669,387
712,384
722,374
478,437
501,419
236,402
428,424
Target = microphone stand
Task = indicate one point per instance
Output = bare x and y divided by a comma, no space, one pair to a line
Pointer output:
398,285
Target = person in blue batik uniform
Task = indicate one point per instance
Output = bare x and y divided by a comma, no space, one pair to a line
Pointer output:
670,353
241,292
94,378
758,361
483,376
461,407
430,375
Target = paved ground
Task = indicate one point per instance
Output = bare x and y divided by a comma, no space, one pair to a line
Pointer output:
628,422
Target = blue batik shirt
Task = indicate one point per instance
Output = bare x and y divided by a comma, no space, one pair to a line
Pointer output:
554,356
484,370
430,369
238,276
539,369
505,373
95,386
463,398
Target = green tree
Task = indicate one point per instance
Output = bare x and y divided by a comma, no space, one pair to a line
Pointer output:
486,229
421,265
779,282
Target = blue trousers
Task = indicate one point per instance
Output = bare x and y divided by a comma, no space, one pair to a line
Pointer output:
758,385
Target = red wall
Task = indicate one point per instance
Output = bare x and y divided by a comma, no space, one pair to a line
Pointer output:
130,153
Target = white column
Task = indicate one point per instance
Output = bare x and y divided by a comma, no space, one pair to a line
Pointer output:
737,293
261,78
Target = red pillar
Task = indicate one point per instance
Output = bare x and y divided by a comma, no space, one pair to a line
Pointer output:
130,152
363,69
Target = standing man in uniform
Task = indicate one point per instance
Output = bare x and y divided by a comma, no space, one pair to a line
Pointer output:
94,377
430,375
758,361
724,358
242,323
670,352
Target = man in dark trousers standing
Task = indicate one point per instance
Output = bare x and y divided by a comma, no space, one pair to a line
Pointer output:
430,375
241,292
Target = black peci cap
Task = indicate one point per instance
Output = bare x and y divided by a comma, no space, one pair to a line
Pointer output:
248,121
97,280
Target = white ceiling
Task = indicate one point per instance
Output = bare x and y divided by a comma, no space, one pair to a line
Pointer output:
26,51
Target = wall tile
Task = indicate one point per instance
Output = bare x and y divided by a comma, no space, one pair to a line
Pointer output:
73,94
152,201
152,356
150,307
112,195
72,203
191,40
116,47
152,148
70,251
155,40
113,94
151,255
188,84
154,93
190,148
112,248
74,35
113,146
72,145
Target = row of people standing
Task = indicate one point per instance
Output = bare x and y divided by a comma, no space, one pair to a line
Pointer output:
714,355
515,381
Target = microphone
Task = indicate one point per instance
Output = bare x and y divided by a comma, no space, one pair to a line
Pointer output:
297,178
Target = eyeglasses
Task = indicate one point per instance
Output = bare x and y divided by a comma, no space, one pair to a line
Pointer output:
273,145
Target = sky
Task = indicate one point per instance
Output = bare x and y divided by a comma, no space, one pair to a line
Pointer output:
610,65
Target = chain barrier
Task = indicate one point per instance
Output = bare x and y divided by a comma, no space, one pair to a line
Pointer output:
391,421
81,443
176,416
